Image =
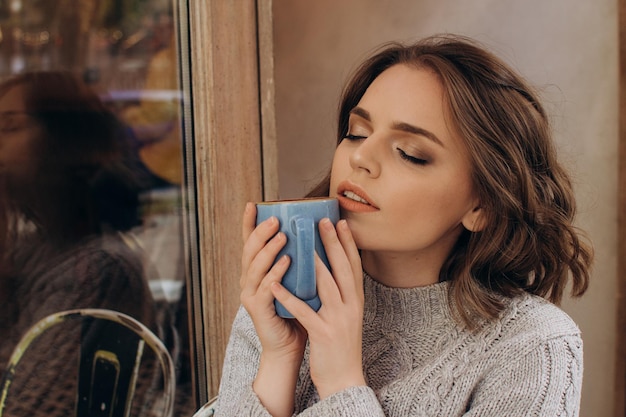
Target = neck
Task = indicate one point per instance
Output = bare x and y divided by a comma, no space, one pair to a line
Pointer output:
400,270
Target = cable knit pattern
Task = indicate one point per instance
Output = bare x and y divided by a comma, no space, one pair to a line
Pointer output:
419,361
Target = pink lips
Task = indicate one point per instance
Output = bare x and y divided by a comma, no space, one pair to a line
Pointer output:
353,198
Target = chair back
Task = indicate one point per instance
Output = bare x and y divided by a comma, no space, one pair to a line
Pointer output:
99,360
207,410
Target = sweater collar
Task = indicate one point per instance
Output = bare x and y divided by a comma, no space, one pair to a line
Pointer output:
402,309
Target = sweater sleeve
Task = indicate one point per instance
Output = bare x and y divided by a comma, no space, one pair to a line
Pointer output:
238,399
241,362
358,401
546,381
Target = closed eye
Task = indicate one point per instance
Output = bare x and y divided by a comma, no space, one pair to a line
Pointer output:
412,159
354,137
9,125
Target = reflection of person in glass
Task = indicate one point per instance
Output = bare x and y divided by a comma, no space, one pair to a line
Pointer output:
69,194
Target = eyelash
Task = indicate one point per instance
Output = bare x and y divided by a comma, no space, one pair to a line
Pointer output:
403,155
411,159
353,137
8,126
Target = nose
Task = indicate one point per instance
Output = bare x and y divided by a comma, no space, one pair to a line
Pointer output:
366,156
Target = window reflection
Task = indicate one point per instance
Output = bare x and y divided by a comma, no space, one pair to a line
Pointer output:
91,169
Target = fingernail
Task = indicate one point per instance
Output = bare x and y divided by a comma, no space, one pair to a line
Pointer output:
326,223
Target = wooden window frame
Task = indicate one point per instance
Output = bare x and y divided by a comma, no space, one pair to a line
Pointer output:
234,152
620,372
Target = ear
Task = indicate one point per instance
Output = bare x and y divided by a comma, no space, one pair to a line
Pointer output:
474,220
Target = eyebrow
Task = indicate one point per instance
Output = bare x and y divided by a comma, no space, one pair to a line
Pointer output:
402,126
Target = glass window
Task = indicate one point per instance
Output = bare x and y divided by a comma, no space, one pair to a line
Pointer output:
95,209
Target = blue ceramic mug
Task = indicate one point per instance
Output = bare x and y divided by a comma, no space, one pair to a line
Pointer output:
299,222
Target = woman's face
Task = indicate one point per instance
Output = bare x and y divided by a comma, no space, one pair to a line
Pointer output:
402,175
18,134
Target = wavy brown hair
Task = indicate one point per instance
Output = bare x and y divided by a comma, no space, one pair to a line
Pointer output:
86,179
529,243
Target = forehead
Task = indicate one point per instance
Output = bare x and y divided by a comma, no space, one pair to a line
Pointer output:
409,73
412,88
410,94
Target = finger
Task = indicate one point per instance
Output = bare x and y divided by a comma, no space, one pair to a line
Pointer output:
277,271
352,252
261,262
249,220
257,239
262,292
347,241
300,310
326,286
340,264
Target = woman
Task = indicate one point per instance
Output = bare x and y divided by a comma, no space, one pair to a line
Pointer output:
70,196
456,240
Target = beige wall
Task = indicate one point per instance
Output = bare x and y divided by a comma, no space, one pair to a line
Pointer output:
566,47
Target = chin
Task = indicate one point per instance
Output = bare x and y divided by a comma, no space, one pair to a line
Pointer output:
364,242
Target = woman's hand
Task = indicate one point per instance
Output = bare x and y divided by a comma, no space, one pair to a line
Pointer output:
283,340
335,331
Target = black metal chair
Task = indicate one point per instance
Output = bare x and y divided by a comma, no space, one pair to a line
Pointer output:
207,410
109,372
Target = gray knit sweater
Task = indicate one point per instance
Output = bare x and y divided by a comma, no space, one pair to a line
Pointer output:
419,361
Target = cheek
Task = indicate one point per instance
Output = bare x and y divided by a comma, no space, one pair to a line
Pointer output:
15,149
19,153
339,169
445,197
